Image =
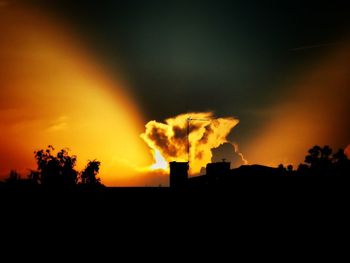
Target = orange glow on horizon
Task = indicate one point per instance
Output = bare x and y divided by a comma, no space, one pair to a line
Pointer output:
53,91
314,111
160,163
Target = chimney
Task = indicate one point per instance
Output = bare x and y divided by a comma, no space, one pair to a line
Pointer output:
178,174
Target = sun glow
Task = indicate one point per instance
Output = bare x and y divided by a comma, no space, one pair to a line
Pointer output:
169,140
312,111
54,91
160,162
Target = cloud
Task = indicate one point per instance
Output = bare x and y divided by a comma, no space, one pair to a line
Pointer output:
59,124
205,133
230,153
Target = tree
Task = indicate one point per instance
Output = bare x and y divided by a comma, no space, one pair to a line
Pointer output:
13,177
89,174
56,170
34,176
282,170
341,163
340,157
319,158
314,156
321,162
326,152
302,169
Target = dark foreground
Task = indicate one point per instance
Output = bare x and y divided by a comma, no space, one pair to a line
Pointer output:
258,189
246,206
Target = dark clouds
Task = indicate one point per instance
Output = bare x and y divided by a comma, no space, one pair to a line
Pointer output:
221,153
222,55
161,140
231,57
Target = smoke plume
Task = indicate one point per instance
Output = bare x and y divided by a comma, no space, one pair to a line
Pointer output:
240,154
169,139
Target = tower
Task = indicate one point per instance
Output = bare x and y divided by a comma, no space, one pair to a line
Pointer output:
217,171
178,174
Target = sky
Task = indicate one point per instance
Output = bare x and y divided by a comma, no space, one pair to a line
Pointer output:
281,69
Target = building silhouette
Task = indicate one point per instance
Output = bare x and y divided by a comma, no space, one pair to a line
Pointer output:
220,168
214,176
178,174
215,172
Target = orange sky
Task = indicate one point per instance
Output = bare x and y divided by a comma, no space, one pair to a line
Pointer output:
313,111
53,91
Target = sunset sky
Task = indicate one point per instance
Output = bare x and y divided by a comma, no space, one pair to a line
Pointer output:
89,75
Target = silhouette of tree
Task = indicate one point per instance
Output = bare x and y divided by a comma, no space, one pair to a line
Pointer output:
302,169
314,156
325,162
340,157
34,176
13,177
88,175
326,152
56,170
341,163
281,169
321,162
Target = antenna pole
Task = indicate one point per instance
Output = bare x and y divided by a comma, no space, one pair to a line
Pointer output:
189,119
188,139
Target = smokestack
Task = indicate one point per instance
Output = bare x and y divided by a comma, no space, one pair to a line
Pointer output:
178,174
